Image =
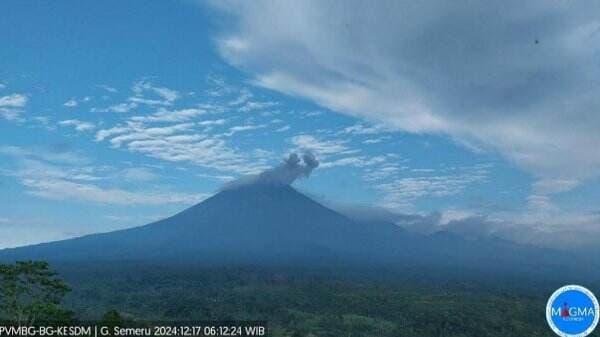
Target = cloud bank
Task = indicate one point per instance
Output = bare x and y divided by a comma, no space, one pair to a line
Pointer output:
520,79
582,235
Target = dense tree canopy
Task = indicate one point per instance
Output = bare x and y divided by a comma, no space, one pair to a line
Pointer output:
30,293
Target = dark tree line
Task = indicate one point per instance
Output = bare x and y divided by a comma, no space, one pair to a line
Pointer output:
31,293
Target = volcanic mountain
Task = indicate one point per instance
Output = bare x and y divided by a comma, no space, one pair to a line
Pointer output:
254,222
271,223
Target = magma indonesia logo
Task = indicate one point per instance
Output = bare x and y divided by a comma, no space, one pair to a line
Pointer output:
572,311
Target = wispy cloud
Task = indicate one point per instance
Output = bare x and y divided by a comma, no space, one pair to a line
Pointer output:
241,128
255,105
82,183
375,140
242,98
107,88
165,95
411,75
319,146
364,129
78,125
11,105
164,115
60,157
182,142
71,103
60,189
283,128
212,122
355,161
118,108
554,185
401,192
13,101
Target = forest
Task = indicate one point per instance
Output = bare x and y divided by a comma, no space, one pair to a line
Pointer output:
303,302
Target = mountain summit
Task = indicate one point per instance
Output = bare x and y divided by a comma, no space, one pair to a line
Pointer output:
272,223
257,222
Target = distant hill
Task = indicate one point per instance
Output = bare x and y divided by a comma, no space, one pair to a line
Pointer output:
269,223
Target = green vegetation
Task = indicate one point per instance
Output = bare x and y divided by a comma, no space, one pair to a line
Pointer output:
30,294
112,318
318,303
294,302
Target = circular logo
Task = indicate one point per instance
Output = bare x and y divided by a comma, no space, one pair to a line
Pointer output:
572,311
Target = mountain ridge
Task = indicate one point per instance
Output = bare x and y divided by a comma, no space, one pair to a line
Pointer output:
270,223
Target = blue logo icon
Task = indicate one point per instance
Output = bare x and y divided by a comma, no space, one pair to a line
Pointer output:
572,311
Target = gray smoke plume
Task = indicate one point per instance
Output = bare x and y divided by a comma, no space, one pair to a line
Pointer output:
293,167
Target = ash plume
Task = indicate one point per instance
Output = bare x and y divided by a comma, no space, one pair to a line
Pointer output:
293,167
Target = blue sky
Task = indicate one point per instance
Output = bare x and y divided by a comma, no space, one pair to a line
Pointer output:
117,113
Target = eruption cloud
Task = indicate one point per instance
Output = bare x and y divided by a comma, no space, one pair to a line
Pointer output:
293,167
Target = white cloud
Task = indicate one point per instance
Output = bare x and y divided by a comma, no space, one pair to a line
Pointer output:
363,129
374,140
555,185
79,183
138,174
361,161
107,88
450,215
219,88
147,101
251,106
9,114
166,96
105,133
138,131
40,170
240,128
474,73
181,142
283,128
401,192
222,178
540,203
118,108
335,152
60,189
78,125
319,146
60,157
212,122
243,97
164,115
71,103
11,106
13,101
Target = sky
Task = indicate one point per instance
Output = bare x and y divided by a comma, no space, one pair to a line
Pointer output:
476,117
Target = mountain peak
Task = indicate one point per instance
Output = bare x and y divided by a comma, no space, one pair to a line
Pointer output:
272,223
260,185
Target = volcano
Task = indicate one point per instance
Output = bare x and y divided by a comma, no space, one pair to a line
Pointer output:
269,223
255,222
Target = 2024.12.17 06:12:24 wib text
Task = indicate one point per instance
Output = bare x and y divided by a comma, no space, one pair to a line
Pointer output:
155,331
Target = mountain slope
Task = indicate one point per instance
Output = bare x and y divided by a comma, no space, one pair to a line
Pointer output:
253,222
275,224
